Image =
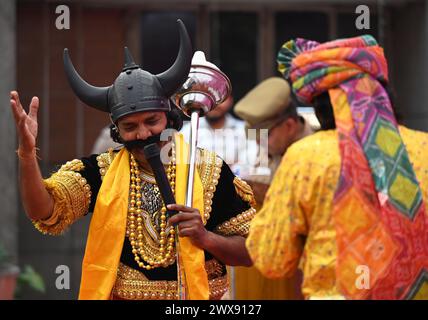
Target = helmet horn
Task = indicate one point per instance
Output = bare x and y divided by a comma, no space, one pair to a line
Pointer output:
176,75
96,97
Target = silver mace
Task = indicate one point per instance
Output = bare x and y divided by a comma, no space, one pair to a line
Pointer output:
205,88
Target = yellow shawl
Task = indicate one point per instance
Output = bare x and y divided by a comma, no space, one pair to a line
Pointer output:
108,227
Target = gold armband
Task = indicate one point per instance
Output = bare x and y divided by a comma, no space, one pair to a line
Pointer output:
71,194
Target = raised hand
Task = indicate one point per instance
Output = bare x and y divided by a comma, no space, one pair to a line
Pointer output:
26,124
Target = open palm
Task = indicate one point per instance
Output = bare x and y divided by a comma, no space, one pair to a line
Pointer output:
26,124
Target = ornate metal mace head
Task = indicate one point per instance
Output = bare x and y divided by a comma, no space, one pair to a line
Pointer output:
205,87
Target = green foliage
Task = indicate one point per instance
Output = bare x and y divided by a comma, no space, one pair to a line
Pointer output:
28,277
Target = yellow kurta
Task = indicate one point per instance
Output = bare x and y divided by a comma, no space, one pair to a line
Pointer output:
295,224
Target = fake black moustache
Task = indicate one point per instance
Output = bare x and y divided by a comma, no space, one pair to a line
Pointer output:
139,144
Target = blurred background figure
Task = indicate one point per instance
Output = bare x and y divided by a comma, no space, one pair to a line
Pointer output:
221,132
269,106
104,141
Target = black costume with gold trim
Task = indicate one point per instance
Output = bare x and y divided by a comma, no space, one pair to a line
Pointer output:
228,211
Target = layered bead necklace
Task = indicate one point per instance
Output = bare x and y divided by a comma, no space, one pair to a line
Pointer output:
146,257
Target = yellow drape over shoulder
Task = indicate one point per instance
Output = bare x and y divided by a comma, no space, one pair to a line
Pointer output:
108,227
106,232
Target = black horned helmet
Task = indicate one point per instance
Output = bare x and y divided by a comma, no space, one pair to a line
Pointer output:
135,89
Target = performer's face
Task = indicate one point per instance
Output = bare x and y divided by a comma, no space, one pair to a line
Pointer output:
140,126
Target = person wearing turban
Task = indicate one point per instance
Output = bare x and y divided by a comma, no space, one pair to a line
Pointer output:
348,204
134,250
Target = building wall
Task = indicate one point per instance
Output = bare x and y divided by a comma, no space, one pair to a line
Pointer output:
409,62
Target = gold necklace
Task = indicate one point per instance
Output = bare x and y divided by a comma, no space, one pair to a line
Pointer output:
163,255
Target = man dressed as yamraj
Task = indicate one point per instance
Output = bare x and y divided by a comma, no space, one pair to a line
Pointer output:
131,249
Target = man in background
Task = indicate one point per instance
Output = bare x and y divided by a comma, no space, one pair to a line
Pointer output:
104,141
269,106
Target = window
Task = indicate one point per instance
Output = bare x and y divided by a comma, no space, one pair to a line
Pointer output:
160,40
296,24
234,48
